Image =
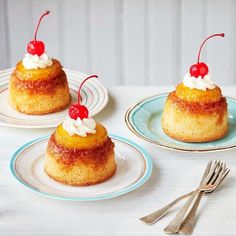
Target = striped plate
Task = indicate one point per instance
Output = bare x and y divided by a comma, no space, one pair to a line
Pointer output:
134,167
94,96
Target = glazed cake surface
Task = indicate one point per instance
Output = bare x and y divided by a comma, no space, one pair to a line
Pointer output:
80,161
193,115
39,91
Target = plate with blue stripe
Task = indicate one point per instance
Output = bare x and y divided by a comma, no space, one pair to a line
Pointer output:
134,168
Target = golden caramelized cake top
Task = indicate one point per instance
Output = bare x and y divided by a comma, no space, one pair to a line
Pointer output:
39,81
79,131
198,101
63,138
198,96
39,74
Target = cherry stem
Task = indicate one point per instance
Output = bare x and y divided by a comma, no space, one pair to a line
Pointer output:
214,35
36,31
91,76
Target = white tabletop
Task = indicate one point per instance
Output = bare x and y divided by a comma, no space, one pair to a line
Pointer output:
25,213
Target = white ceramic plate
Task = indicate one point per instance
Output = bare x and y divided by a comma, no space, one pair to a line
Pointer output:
94,96
134,167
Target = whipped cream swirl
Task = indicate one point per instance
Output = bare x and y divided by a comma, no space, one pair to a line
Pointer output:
199,83
35,61
80,127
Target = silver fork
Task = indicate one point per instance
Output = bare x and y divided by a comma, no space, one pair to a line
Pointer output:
210,183
189,221
156,215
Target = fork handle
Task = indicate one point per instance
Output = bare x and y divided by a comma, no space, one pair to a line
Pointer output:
175,224
189,222
156,215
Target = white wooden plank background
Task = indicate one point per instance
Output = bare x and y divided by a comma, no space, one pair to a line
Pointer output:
136,42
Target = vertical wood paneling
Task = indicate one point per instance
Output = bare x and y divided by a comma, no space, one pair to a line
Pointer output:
193,24
119,35
49,30
88,34
4,49
163,42
146,43
18,28
23,16
103,41
61,28
75,36
134,42
219,50
177,38
233,42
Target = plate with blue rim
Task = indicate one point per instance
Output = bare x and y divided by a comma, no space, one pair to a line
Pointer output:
144,120
134,167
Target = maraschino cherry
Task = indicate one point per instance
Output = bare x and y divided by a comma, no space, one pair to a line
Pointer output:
35,46
78,110
201,69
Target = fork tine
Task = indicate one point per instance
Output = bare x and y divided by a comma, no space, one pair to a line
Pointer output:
206,171
211,172
223,175
226,171
218,180
220,169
